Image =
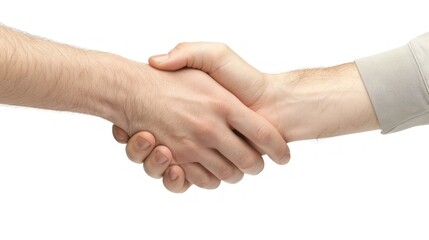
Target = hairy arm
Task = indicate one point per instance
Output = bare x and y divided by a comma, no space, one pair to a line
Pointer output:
186,110
43,74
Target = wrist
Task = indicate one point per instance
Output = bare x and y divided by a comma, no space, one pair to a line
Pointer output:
118,80
325,102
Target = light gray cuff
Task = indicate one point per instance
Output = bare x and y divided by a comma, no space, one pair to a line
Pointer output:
396,85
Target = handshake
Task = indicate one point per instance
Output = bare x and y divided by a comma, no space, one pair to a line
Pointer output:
200,114
208,116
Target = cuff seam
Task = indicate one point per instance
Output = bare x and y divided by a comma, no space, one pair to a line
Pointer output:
410,46
399,124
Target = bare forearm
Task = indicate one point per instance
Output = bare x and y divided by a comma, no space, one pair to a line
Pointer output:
43,74
327,102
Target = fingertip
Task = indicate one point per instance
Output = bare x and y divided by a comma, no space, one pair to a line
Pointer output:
139,146
162,155
286,156
175,174
145,141
120,135
285,159
257,166
157,59
158,162
174,180
237,178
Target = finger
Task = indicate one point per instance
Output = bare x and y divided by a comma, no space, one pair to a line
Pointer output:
140,146
199,176
261,133
158,161
120,135
198,55
174,179
257,148
239,153
218,165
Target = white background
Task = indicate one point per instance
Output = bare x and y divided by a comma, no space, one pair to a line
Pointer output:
62,176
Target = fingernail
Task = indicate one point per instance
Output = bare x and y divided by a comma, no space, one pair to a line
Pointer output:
160,158
121,137
160,58
173,176
142,143
285,159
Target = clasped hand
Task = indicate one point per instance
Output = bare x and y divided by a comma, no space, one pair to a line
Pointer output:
199,132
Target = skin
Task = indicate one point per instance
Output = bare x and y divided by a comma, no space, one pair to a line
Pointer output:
199,124
303,104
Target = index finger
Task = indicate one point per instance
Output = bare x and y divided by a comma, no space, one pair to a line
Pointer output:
261,133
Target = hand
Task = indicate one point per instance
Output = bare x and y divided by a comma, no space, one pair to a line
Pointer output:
157,160
248,84
305,104
255,89
200,128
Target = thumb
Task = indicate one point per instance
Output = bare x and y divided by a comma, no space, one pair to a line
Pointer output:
196,55
220,62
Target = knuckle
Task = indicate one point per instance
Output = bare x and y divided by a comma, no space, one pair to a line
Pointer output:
181,46
222,48
206,132
221,107
204,128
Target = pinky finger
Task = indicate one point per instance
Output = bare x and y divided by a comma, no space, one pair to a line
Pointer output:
174,179
119,134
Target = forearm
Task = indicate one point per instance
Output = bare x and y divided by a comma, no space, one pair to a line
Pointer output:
327,102
43,74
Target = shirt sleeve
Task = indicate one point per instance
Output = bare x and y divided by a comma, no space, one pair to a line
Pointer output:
397,85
